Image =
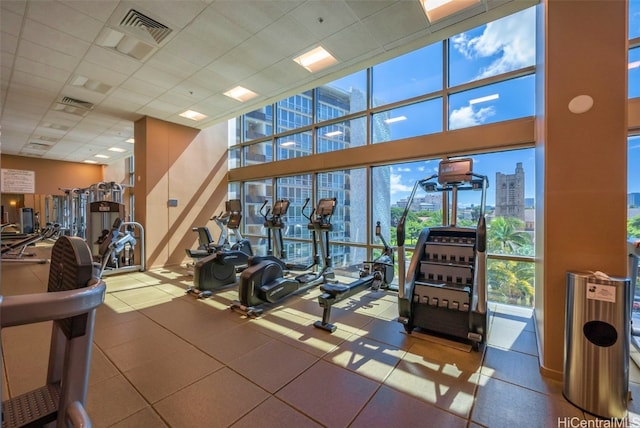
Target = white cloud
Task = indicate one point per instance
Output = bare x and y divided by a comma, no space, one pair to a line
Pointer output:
466,116
396,186
510,38
405,169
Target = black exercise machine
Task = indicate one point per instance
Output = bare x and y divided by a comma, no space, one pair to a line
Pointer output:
219,269
206,244
375,274
15,251
444,290
274,223
267,282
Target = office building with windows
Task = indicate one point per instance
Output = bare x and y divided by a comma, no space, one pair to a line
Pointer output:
189,104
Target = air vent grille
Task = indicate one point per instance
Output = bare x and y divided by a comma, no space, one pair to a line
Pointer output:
68,101
37,146
135,19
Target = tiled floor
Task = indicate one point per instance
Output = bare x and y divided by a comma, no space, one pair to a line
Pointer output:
164,358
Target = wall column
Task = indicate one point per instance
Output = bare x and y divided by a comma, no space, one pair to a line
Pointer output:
181,164
581,159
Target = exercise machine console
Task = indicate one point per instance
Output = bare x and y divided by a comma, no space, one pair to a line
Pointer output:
444,290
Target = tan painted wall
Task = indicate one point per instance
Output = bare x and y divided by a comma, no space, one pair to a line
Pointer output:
581,158
182,163
52,175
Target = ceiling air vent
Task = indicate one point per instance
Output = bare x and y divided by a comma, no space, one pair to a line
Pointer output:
73,106
37,146
76,103
135,19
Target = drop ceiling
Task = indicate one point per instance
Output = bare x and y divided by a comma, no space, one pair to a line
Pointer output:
76,75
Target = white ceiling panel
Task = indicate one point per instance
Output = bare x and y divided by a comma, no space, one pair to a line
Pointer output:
212,46
324,17
53,39
47,56
66,19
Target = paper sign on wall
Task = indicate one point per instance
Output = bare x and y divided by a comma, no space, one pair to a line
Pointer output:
606,293
18,181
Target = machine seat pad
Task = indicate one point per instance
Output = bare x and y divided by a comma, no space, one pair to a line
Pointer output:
334,289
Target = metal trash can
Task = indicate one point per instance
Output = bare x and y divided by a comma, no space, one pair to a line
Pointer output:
596,343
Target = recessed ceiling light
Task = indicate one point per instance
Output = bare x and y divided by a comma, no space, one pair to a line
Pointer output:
123,43
438,9
89,161
130,140
395,119
316,59
484,99
117,149
333,134
102,156
193,115
240,94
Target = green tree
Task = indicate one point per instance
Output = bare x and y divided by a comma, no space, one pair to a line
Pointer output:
506,235
511,282
633,226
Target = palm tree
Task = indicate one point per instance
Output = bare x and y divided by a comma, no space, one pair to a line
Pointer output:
506,234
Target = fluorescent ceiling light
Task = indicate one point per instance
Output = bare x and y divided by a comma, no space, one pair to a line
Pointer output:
333,134
438,9
395,119
634,64
89,161
240,94
316,59
193,115
130,140
484,99
102,156
288,144
117,149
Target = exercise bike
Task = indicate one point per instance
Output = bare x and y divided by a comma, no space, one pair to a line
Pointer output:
375,274
206,244
267,281
219,269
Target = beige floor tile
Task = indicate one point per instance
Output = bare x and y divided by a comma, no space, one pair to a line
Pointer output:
144,349
447,385
518,406
389,332
218,400
112,400
273,364
329,394
114,311
391,408
519,369
450,355
273,413
101,368
314,340
108,336
162,377
233,343
512,336
368,358
26,361
145,418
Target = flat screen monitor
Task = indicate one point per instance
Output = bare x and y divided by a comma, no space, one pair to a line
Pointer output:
455,170
280,207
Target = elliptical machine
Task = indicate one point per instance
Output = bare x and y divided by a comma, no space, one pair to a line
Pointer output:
274,225
375,274
265,281
220,268
445,290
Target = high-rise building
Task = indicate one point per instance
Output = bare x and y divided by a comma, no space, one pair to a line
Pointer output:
633,200
510,194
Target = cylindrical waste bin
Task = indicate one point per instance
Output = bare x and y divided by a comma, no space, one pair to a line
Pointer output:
596,343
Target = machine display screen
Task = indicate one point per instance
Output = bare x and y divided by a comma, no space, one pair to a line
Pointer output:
280,207
455,170
326,207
